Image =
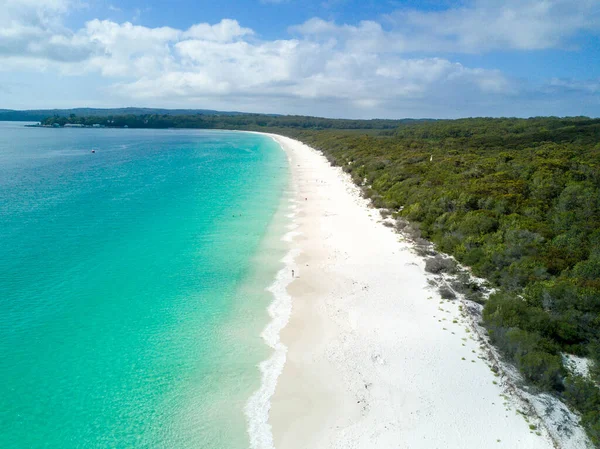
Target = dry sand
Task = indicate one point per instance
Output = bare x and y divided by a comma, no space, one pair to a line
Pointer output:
375,358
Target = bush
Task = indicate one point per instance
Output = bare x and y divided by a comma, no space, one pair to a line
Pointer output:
584,396
535,356
502,310
446,293
582,393
440,264
543,369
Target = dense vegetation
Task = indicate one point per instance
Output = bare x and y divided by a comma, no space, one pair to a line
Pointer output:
42,114
516,200
223,121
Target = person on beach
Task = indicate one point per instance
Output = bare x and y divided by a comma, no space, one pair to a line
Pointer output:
292,273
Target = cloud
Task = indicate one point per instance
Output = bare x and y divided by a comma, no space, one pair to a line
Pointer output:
34,29
226,30
300,70
477,26
226,59
483,25
368,68
591,86
128,50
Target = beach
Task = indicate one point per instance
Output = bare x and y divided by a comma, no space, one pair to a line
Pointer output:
375,358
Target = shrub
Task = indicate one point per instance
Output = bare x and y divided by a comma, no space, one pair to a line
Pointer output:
542,368
446,293
440,264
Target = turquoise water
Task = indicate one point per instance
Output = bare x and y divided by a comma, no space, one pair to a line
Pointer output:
130,304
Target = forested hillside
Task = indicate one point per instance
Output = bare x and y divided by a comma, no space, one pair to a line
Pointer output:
224,121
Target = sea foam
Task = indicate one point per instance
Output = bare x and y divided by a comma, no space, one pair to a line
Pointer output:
259,404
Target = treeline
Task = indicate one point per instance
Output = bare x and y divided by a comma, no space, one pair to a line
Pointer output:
42,114
214,121
516,200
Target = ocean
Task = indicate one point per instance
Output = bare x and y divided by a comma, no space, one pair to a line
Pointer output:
133,286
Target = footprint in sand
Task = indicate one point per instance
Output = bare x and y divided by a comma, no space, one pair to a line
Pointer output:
376,358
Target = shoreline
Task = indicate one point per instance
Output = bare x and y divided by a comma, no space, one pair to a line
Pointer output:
279,310
366,352
374,356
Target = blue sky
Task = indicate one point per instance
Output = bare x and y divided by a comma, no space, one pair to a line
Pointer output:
338,58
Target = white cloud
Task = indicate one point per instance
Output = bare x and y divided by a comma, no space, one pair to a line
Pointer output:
482,25
293,71
226,59
34,29
587,86
477,26
364,66
226,30
128,50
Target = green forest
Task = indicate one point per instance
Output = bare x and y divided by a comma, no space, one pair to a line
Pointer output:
516,200
223,121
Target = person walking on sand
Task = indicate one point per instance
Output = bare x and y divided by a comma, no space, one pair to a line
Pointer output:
292,273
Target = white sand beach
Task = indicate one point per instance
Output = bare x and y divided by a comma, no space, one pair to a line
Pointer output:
375,358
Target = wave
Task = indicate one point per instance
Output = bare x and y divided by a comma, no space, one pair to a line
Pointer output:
280,309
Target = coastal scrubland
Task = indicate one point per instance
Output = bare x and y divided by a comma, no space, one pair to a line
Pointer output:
518,201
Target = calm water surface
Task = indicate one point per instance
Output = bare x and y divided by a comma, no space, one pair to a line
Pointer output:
130,309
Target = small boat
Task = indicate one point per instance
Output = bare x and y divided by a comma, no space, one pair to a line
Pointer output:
93,151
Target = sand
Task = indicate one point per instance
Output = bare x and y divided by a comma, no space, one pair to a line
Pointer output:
375,358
